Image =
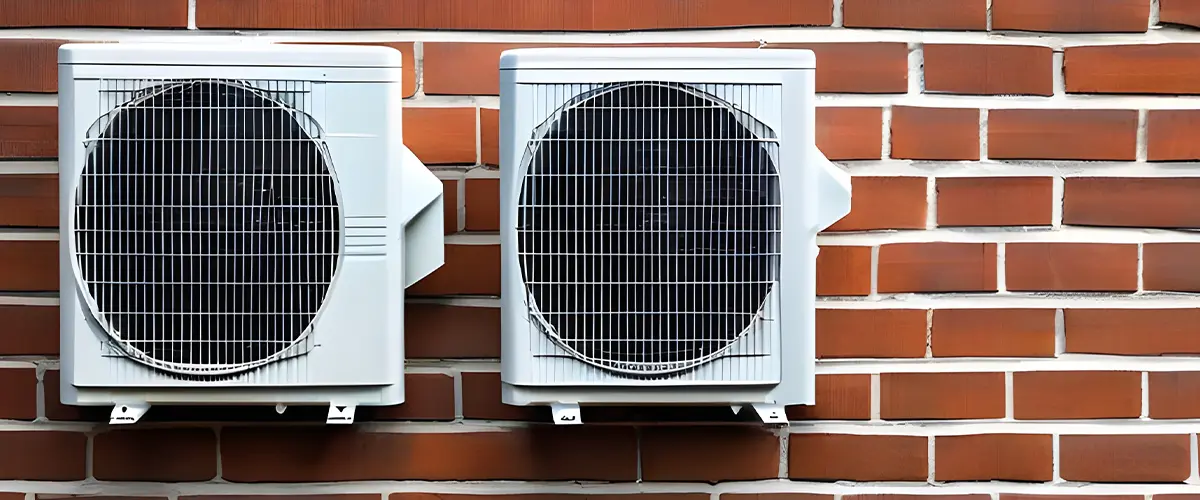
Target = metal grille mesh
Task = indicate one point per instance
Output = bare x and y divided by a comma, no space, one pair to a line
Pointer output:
206,229
649,222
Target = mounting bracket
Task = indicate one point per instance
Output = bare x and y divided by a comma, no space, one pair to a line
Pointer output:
771,413
565,413
340,414
127,413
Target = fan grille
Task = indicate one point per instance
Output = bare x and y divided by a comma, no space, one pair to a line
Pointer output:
649,224
207,229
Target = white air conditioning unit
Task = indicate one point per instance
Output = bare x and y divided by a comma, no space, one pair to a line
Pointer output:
658,223
239,222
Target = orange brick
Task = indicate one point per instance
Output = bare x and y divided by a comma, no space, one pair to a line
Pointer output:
1062,134
843,457
871,333
915,396
850,133
1132,332
1074,267
839,397
1132,69
685,454
994,201
441,135
1125,459
1170,133
483,204
1076,395
935,133
988,69
937,267
469,270
1173,394
1160,202
916,14
110,13
993,332
994,457
1071,16
884,203
844,271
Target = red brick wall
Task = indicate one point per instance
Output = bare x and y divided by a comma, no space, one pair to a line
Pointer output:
1008,301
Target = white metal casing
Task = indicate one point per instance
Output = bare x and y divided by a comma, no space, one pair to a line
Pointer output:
390,219
815,194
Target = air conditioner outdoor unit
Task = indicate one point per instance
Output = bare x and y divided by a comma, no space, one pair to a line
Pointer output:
658,223
238,224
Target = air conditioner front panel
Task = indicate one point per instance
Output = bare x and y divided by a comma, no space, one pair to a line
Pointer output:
649,222
207,229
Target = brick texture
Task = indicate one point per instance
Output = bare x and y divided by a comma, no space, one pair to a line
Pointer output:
994,201
1172,394
1183,12
937,267
1132,332
32,64
440,331
1170,267
866,68
1079,267
155,455
1058,134
1158,202
28,132
885,203
18,393
50,456
916,14
844,271
941,396
1168,134
850,133
1125,459
935,133
251,454
681,454
1071,16
483,204
469,270
831,457
1132,69
988,69
839,397
993,332
441,135
39,269
1076,394
28,330
29,200
550,15
858,333
994,457
107,13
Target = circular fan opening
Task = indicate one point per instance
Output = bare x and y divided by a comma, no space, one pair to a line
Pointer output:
207,229
649,226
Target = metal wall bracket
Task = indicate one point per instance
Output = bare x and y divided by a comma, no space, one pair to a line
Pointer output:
565,414
127,413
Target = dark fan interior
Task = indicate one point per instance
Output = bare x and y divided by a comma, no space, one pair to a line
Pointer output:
207,228
649,226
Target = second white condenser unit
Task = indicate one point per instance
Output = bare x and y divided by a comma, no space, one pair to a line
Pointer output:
658,223
239,222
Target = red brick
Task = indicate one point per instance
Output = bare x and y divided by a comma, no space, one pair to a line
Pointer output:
106,13
441,135
1171,267
994,201
1185,12
871,333
1125,459
850,133
483,204
481,399
1013,496
344,496
28,132
489,136
282,454
774,496
469,270
1159,202
839,397
993,333
988,69
550,496
935,133
923,396
858,68
994,457
465,68
155,455
1169,134
884,203
55,410
29,200
18,393
686,453
1173,394
1076,394
548,15
844,457
441,331
28,330
48,456
937,267
1132,69
1074,267
1062,134
844,271
916,14
450,206
38,271
1071,16
427,396
32,64
1132,332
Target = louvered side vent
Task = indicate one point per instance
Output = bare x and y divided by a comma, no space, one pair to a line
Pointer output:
207,224
648,229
